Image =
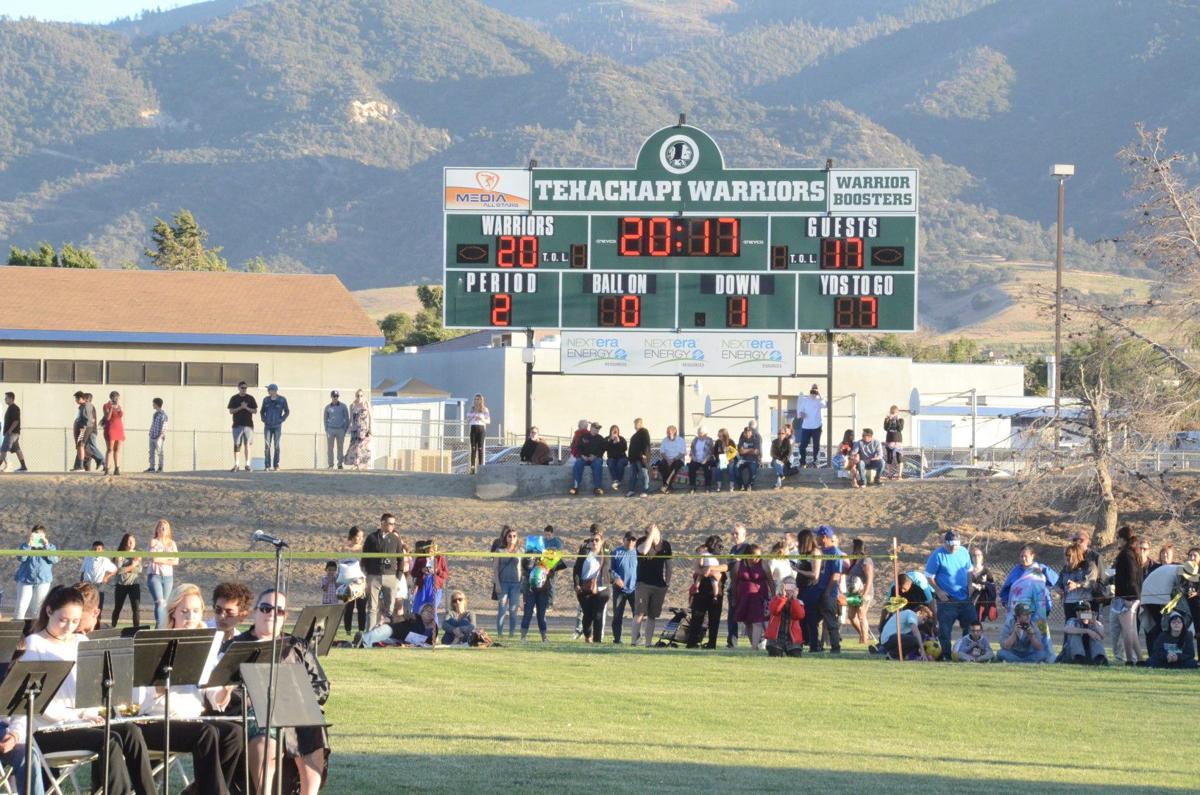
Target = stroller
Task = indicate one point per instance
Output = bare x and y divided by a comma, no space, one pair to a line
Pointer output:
675,633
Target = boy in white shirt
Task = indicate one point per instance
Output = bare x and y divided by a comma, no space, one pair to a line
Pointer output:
98,570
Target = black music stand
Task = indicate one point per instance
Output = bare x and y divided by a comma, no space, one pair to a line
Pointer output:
30,685
165,658
293,703
228,672
108,632
11,633
105,673
313,627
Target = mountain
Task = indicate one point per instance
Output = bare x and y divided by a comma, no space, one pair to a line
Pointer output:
313,133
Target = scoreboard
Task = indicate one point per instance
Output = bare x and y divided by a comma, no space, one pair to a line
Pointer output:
681,243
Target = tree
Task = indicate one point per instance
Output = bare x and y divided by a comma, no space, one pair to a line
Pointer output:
395,328
46,257
180,246
257,265
431,297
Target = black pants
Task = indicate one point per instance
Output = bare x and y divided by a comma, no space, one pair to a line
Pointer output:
706,607
358,605
215,746
593,614
131,592
668,471
477,434
731,631
1154,614
620,599
694,467
129,764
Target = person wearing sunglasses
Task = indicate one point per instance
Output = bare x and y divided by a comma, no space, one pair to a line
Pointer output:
310,742
591,587
423,623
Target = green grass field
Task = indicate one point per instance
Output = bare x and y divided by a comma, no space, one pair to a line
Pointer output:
570,717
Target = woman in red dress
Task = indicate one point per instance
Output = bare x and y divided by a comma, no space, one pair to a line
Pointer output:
753,591
114,432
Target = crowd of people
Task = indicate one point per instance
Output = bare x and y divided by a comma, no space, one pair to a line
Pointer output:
205,722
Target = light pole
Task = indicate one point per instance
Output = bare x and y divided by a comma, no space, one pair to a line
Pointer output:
1062,172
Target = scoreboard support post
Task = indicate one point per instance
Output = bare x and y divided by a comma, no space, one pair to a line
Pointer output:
829,397
682,413
528,355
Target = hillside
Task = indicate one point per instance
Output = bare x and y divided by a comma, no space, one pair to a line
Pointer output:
312,133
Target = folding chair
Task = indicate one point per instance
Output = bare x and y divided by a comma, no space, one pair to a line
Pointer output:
7,783
156,765
60,768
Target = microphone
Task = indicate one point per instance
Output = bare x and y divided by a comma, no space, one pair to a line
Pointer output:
262,535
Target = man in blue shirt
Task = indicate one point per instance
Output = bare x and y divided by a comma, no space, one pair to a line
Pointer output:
624,582
949,571
829,582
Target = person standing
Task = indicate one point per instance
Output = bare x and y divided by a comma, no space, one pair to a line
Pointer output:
810,415
708,595
129,573
949,572
98,570
162,571
337,423
893,443
381,572
84,427
507,585
11,440
479,418
591,587
830,584
1127,584
624,582
654,577
753,583
274,414
359,453
114,433
639,452
351,578
93,439
158,435
35,573
737,546
243,407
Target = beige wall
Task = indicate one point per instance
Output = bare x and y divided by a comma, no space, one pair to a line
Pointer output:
199,427
864,389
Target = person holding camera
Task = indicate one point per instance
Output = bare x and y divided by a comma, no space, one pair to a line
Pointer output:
1083,638
35,574
1023,641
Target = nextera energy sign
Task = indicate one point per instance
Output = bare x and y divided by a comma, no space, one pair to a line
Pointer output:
703,353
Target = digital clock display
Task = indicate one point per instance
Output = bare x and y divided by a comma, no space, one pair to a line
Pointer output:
663,236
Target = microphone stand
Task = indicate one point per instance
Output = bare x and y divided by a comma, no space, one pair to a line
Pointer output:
107,684
32,689
275,641
168,665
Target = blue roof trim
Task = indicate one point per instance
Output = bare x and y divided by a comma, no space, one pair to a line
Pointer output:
147,337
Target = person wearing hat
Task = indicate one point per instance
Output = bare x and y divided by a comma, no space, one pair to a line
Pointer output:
1024,641
623,570
1191,585
1083,638
949,572
274,413
810,413
337,425
1175,646
243,407
829,583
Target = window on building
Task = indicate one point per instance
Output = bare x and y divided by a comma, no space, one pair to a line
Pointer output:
21,371
74,371
159,373
213,374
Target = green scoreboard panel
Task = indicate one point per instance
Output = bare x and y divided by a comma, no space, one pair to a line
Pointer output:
681,242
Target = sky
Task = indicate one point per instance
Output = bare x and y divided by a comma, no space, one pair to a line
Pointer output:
82,10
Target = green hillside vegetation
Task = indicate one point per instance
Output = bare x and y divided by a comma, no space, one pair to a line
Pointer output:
978,88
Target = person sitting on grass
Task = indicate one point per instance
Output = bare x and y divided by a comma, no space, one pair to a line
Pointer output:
973,647
785,633
1176,646
1024,641
906,631
870,458
915,590
1083,638
459,624
424,624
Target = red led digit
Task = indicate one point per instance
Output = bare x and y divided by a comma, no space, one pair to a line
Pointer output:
831,253
728,237
506,251
630,244
606,307
868,312
631,311
737,311
699,237
854,253
843,312
660,237
502,309
527,251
